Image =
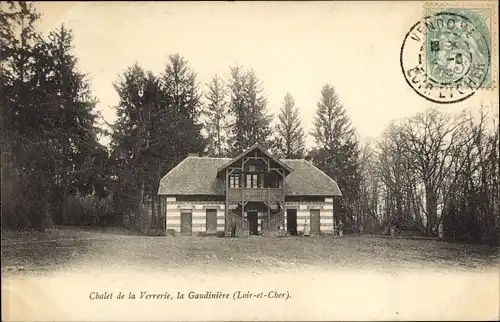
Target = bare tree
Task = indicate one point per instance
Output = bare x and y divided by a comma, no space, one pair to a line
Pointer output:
396,172
434,140
436,168
471,211
368,200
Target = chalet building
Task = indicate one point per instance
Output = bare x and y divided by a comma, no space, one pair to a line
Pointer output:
261,193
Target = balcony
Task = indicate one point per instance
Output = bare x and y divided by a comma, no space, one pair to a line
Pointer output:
255,194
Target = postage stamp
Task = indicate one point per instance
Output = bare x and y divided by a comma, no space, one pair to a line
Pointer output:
446,57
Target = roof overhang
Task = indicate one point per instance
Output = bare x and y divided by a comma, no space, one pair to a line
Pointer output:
250,149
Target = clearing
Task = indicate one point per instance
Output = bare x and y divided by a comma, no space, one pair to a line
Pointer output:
72,248
57,276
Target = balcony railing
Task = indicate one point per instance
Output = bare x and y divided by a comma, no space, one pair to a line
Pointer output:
255,194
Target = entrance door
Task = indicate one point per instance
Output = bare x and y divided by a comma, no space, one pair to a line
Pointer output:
291,221
211,221
253,222
315,222
186,222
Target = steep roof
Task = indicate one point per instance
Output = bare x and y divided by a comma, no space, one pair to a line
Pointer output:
307,180
198,176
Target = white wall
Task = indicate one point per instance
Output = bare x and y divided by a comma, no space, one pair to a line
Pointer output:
198,211
304,212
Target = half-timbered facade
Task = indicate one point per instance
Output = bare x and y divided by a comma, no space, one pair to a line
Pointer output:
257,191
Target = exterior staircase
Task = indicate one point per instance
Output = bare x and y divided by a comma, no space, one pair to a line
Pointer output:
270,225
242,225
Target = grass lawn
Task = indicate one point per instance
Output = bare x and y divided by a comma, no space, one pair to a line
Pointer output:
49,276
71,249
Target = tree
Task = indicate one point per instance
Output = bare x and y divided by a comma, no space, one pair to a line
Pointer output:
134,137
157,127
248,108
438,169
216,120
19,41
399,181
336,151
471,208
48,117
289,134
370,186
434,140
70,118
183,99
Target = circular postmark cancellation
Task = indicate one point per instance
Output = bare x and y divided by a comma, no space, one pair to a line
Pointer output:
445,58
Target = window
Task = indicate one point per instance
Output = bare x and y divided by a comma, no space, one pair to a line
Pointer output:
234,181
252,181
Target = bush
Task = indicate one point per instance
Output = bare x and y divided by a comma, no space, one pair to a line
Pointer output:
24,202
85,210
139,218
468,222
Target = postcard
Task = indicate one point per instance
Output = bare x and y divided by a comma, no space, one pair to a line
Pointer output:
250,161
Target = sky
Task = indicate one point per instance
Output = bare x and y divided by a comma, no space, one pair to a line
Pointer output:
294,47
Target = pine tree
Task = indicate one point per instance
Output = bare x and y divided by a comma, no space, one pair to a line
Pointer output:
48,117
183,99
69,110
216,122
289,137
70,103
19,41
239,123
157,126
136,139
336,151
248,108
22,181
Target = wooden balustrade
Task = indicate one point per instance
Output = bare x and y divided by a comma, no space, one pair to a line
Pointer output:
274,221
241,223
255,194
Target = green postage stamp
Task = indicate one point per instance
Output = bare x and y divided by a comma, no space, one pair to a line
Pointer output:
450,53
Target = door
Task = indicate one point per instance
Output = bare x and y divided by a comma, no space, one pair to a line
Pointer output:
186,222
253,222
291,221
211,221
315,222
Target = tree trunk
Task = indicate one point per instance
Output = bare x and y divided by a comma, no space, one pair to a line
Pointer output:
431,206
153,212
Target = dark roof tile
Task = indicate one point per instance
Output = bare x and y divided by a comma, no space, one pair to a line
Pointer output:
198,176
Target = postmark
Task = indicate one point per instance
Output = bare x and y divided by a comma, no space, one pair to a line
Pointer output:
446,56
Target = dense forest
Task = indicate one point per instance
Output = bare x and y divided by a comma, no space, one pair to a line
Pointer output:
429,170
